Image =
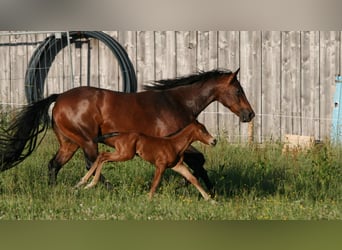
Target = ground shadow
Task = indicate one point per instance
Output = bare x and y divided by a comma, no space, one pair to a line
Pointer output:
257,179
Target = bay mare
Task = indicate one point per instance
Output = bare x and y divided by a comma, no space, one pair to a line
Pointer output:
81,114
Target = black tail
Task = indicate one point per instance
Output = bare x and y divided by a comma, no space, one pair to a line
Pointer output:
20,139
102,138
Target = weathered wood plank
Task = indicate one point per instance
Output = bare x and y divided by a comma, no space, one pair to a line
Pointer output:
114,82
250,77
186,46
207,60
65,58
18,59
108,66
310,83
5,73
128,39
59,62
145,58
53,80
271,76
165,57
290,83
94,63
228,58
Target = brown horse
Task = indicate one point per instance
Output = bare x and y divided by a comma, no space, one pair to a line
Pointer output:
83,113
163,152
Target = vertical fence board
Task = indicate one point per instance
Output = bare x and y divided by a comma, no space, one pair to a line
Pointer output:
271,71
165,48
68,66
53,84
310,83
250,75
145,57
94,62
114,83
186,44
290,83
18,57
128,39
207,60
59,63
5,72
228,58
108,66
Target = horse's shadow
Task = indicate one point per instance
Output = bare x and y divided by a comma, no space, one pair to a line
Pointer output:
255,179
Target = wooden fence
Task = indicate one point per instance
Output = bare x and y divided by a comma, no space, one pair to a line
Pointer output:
288,76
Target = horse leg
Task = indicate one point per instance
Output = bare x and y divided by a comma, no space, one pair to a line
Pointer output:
156,180
181,169
63,155
91,154
101,159
86,177
195,160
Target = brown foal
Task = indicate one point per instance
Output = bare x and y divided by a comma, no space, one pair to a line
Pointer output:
163,152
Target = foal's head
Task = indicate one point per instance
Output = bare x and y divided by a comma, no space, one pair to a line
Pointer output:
230,93
200,133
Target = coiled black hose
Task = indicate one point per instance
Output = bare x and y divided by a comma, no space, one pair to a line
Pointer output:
44,55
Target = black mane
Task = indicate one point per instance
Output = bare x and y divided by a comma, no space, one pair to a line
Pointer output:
186,80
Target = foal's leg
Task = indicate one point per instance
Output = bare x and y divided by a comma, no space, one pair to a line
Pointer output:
156,180
109,157
195,160
86,177
180,168
90,158
98,164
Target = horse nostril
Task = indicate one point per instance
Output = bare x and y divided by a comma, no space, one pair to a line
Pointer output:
213,143
247,116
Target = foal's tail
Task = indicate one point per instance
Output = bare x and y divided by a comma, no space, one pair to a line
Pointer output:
20,139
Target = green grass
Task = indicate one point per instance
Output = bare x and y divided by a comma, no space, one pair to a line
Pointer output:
252,182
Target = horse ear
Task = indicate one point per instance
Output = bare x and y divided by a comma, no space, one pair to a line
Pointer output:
236,72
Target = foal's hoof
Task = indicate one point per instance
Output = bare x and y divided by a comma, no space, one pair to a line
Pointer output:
90,185
213,202
78,185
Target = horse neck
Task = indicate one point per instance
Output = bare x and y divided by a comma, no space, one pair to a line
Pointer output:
183,139
196,97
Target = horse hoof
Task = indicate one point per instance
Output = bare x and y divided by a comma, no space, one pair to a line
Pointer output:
109,186
212,193
213,202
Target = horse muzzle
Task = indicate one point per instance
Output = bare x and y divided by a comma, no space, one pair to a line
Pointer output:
246,115
213,142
